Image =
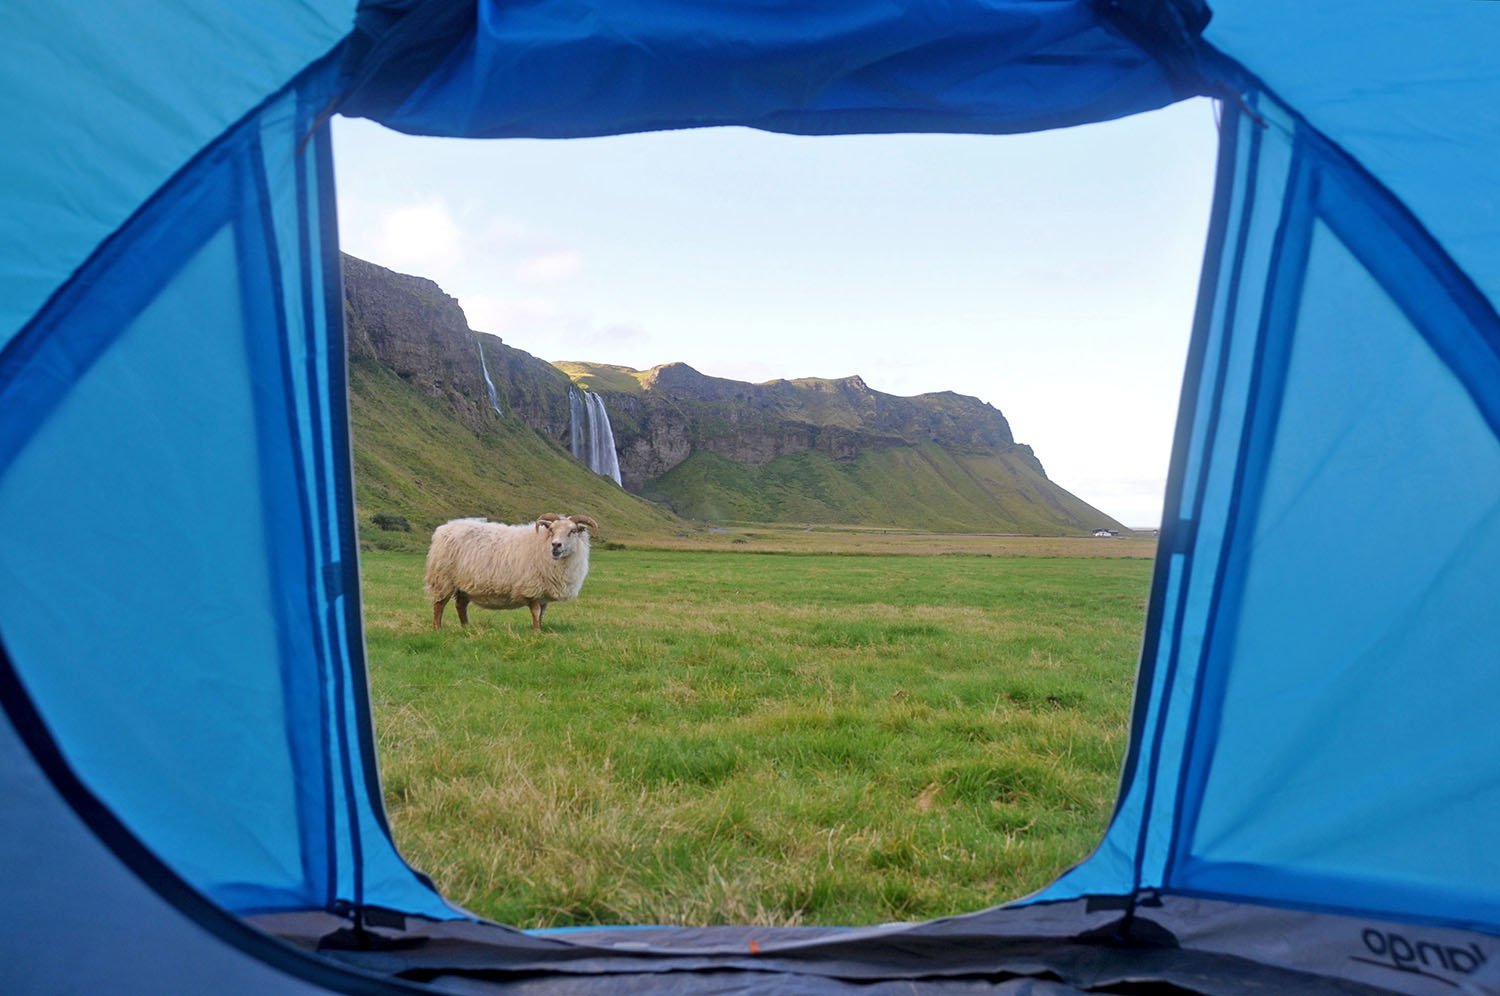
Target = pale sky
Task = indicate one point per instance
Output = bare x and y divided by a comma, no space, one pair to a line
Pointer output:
1052,275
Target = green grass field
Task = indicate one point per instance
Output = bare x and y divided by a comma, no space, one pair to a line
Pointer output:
709,737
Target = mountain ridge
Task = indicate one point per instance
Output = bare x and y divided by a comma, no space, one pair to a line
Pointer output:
754,423
806,449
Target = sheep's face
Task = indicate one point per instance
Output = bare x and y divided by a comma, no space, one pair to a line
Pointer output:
565,536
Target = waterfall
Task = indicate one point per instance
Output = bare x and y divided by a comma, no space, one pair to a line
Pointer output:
604,459
592,439
488,384
575,425
591,451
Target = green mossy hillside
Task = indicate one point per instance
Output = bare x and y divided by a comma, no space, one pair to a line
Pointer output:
602,376
918,487
413,458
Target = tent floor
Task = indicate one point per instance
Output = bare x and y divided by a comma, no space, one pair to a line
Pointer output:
468,957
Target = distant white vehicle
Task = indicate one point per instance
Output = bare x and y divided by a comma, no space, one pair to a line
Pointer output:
1105,532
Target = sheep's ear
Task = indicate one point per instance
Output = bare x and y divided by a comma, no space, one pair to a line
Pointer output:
541,526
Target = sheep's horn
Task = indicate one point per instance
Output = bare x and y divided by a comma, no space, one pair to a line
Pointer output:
585,520
548,517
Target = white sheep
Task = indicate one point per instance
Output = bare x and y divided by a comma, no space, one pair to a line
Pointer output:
505,567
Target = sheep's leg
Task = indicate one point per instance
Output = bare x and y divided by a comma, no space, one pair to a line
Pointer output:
461,603
437,613
537,608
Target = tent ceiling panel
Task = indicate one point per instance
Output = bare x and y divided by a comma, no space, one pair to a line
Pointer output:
104,103
1412,91
572,68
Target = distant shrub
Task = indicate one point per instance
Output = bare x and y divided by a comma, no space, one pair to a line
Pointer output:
394,541
612,546
392,523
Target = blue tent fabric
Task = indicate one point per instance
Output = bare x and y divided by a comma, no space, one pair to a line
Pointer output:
572,69
96,122
1334,502
1314,771
1410,92
1362,429
192,370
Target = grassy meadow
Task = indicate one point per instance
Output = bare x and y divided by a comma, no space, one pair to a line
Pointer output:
710,736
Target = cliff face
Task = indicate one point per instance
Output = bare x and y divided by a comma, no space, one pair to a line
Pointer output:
408,325
533,390
672,411
660,416
804,450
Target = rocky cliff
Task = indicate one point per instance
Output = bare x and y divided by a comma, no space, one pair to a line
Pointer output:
808,450
663,415
410,327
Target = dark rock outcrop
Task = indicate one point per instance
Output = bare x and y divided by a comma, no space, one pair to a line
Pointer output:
408,325
533,390
678,410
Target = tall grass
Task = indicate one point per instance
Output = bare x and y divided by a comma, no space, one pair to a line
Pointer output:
711,737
